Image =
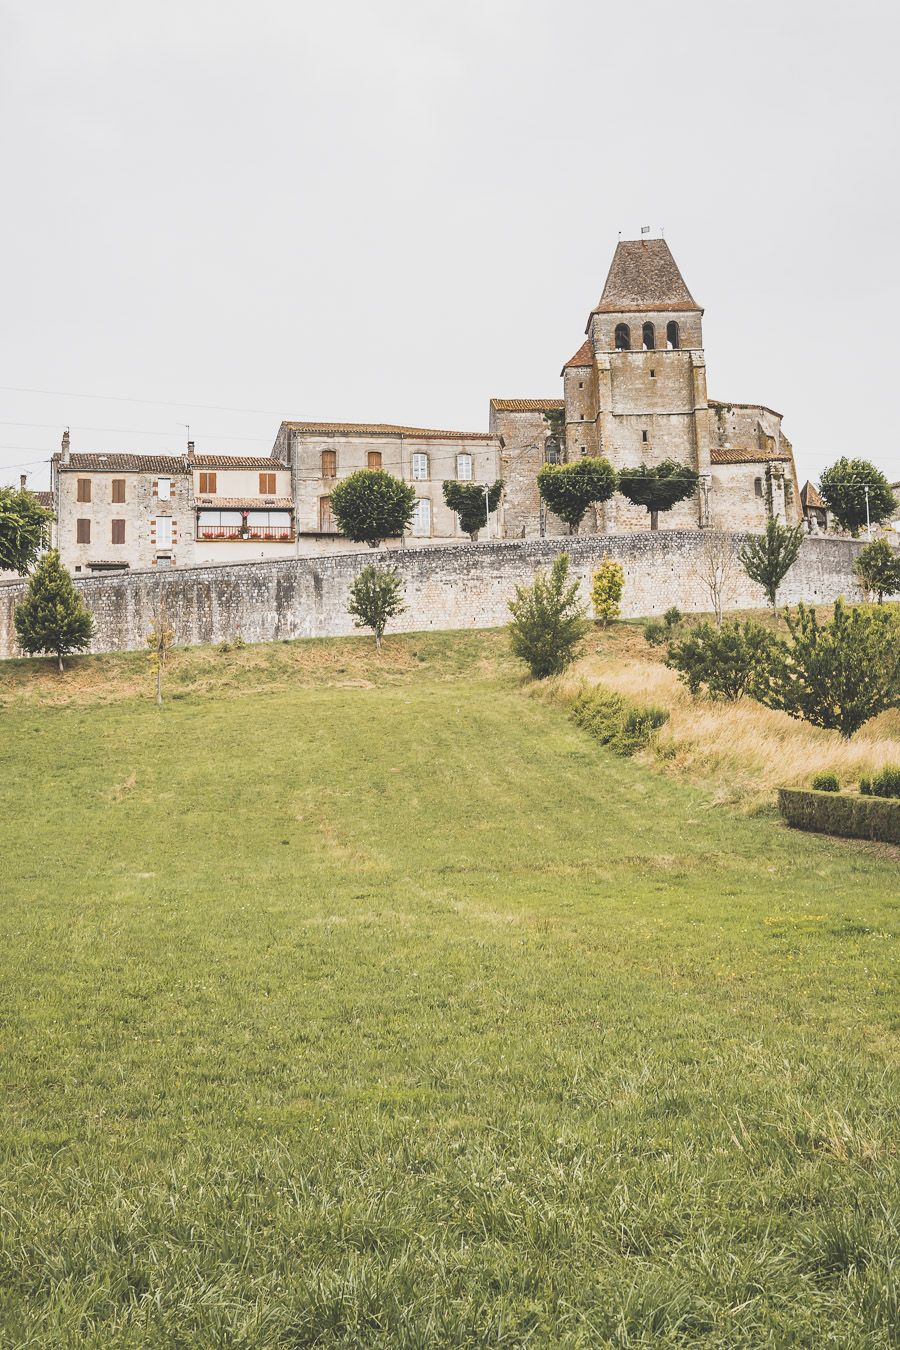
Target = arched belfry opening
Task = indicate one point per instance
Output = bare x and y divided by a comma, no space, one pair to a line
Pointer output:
623,337
673,337
649,337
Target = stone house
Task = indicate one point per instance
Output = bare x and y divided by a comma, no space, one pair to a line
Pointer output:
815,512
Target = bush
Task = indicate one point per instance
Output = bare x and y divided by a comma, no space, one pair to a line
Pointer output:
548,621
843,814
838,674
613,721
672,618
884,784
726,660
826,782
655,632
606,591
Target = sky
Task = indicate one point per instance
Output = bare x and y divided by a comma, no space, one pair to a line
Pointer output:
223,214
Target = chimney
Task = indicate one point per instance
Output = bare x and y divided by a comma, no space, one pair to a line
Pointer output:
64,457
23,480
190,449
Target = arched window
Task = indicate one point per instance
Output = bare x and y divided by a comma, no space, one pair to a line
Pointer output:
329,463
373,459
672,338
551,450
623,337
649,336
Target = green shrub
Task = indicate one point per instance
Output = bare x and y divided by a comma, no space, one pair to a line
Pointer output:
614,721
655,632
726,660
548,621
841,813
884,784
672,618
826,782
606,591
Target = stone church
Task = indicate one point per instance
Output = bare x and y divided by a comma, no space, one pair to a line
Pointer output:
634,392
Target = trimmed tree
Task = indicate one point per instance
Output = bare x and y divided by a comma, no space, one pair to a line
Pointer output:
471,502
371,505
844,487
606,591
836,675
569,489
23,529
658,488
375,596
548,621
878,569
767,558
53,617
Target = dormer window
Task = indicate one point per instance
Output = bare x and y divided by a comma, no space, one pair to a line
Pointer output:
649,337
623,337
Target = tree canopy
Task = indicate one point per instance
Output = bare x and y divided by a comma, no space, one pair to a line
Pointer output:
878,568
23,529
375,596
468,501
569,489
371,505
843,488
767,558
658,488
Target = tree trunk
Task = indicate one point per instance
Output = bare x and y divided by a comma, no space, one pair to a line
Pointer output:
654,520
159,684
377,640
59,661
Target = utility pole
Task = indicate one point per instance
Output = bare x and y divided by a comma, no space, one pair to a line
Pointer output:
868,522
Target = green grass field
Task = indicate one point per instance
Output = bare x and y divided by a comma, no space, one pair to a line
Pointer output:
370,1003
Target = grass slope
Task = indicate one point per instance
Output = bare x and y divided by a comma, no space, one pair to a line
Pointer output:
403,1015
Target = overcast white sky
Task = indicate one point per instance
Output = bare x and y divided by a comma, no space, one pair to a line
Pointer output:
393,211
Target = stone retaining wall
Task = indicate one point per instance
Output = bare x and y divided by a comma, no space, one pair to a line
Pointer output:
461,586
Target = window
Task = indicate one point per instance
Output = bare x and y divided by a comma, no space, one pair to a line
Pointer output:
421,518
118,532
207,484
645,436
164,489
118,489
267,484
373,459
218,524
83,493
164,532
757,486
672,335
82,531
163,562
623,337
269,524
329,463
551,450
649,337
420,466
464,468
326,519
653,374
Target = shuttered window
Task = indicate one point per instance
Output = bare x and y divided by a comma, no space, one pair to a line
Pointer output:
421,520
118,532
118,489
267,484
83,493
373,459
326,519
164,488
164,532
82,531
208,483
329,463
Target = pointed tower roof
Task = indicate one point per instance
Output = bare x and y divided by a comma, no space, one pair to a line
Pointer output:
644,276
583,357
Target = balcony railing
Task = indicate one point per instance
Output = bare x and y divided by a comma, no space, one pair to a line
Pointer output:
266,533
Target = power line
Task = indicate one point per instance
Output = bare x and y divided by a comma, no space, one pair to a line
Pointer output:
130,431
155,402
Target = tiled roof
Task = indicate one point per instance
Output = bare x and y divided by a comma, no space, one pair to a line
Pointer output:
45,499
583,357
644,276
253,503
809,497
734,455
118,462
527,404
384,429
236,462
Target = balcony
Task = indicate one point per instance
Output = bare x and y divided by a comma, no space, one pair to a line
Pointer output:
253,533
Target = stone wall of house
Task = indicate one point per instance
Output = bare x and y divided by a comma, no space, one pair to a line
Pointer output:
446,587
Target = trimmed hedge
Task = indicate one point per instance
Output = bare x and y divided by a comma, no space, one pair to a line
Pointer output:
839,813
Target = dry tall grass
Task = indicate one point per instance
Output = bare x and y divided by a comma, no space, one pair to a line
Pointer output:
741,750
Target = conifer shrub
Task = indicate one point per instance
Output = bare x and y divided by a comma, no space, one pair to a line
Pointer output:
53,617
548,621
606,591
